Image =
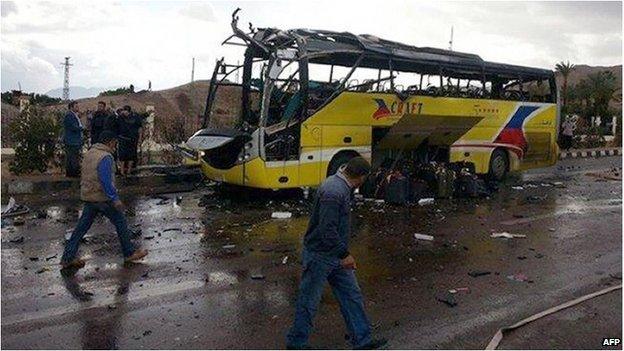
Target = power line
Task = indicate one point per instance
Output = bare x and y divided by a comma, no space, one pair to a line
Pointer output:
66,78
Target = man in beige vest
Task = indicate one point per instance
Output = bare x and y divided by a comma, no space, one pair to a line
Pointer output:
97,190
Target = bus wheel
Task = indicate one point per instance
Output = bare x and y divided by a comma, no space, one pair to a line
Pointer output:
499,164
338,161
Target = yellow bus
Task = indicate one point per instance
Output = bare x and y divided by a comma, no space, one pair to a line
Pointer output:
309,100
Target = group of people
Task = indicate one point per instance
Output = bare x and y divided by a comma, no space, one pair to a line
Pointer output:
97,173
124,123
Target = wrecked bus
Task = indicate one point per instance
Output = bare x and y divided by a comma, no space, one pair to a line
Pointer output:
309,100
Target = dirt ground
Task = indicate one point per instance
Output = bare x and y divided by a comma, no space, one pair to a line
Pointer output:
195,290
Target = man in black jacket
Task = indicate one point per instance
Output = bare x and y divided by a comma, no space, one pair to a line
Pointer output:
99,122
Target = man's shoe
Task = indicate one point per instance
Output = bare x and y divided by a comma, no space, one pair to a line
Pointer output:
374,344
77,263
137,255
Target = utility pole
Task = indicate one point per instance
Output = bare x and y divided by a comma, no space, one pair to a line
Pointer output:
19,86
66,80
451,41
193,71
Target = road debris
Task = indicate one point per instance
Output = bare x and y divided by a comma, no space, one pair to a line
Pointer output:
426,201
507,235
19,221
518,277
456,290
447,298
229,246
285,260
13,209
281,215
17,240
493,344
423,237
517,188
475,274
257,276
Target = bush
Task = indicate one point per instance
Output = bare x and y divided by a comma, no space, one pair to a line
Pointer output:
35,133
118,91
589,138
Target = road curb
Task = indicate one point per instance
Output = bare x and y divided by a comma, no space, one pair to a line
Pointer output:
164,177
590,153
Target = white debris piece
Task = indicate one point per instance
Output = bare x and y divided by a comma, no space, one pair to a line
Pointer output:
546,185
9,206
285,260
423,237
379,202
426,201
517,188
229,246
281,215
530,186
507,235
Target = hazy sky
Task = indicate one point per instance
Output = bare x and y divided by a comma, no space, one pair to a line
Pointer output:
123,42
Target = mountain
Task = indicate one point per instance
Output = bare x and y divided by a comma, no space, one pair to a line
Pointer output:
582,71
77,92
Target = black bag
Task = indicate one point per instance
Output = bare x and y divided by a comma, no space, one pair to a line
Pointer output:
445,182
397,189
466,186
418,189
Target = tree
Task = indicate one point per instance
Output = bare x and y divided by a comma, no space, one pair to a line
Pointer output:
35,133
564,68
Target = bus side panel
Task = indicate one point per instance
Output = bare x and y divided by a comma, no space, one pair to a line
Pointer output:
541,135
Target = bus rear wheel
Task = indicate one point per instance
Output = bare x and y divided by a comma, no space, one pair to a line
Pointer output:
338,161
499,164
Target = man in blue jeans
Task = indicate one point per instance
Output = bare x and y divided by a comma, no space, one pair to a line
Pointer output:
326,258
97,190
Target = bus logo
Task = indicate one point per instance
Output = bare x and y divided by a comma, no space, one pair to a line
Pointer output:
397,108
382,109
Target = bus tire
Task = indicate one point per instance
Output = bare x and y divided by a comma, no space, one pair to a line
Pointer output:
338,160
499,164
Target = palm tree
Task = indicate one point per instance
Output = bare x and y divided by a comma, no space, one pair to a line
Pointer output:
564,68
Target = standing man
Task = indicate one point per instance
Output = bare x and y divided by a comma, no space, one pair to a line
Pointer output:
98,192
72,138
567,132
326,257
130,125
99,122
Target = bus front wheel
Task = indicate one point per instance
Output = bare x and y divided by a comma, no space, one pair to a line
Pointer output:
338,161
499,164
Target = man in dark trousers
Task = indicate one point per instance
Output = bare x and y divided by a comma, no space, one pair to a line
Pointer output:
129,124
326,258
99,122
98,192
72,138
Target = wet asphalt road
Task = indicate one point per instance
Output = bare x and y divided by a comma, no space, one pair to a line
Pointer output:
192,293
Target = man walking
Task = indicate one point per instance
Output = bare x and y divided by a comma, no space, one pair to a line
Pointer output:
97,190
99,122
326,258
72,138
129,131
